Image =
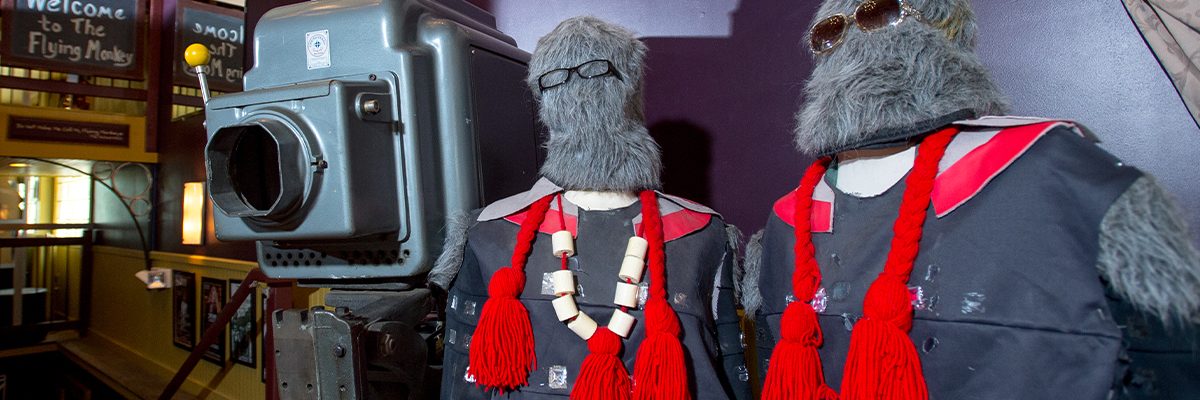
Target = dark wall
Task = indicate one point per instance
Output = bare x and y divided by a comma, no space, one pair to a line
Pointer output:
722,110
722,107
181,159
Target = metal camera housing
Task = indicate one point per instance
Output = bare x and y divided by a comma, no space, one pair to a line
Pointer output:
347,167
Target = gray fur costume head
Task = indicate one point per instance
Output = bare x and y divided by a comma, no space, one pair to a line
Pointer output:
894,78
598,140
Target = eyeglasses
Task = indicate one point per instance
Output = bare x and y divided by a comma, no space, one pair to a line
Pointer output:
587,70
869,16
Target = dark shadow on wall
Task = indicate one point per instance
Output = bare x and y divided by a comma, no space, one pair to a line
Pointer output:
687,159
722,109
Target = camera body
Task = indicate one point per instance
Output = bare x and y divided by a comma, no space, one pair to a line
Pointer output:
363,124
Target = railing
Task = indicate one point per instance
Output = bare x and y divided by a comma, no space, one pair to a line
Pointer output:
280,298
50,281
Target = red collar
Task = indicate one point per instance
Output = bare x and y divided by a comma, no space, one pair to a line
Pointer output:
680,216
984,149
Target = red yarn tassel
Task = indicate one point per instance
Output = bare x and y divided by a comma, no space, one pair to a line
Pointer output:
882,362
502,350
659,372
795,371
603,375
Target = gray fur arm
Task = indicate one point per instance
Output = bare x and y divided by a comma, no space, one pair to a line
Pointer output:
728,324
751,296
1147,254
448,263
733,238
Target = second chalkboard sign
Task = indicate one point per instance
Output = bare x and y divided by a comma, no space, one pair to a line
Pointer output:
89,37
221,30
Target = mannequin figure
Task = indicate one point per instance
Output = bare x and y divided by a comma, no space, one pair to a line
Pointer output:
591,284
1022,261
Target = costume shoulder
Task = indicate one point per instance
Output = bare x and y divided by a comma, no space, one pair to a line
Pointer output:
681,216
822,208
985,148
517,203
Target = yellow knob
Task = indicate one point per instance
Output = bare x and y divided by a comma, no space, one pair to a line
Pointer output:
196,55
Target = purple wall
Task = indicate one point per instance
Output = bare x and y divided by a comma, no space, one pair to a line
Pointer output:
722,105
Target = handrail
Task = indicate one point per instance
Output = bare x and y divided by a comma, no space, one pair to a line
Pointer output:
42,227
210,335
128,209
42,241
20,270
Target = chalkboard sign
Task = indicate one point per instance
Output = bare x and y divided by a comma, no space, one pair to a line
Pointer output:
219,28
87,37
49,130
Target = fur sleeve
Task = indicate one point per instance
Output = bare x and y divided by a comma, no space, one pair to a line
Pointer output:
733,237
445,268
751,297
1148,256
729,329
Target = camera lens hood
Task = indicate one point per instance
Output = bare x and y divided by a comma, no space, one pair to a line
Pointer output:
259,168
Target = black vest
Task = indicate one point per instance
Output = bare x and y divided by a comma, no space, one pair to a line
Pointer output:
1012,306
699,268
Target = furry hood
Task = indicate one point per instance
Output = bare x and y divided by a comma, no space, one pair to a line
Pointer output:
598,139
891,83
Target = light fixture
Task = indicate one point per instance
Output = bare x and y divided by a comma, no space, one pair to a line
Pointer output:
155,278
18,165
193,213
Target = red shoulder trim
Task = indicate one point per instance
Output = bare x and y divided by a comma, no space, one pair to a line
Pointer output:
822,213
676,224
551,224
960,182
680,223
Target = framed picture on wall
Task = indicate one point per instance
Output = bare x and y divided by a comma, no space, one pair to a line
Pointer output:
242,329
183,309
212,300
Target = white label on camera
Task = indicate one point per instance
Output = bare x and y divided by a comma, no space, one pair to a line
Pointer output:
316,48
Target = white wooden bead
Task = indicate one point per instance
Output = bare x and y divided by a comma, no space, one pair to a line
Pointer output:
564,282
565,308
631,269
583,326
621,323
626,295
637,247
564,244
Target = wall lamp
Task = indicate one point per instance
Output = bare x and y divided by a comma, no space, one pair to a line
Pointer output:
193,213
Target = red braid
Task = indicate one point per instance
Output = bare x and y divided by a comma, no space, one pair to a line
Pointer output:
502,350
659,372
796,371
882,362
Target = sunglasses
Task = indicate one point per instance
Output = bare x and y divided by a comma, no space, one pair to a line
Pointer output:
869,16
587,70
